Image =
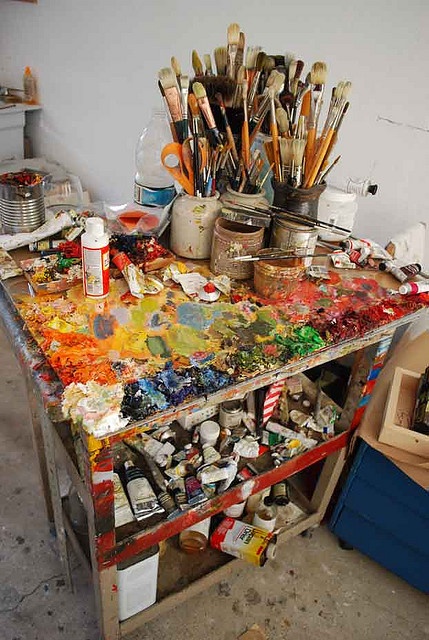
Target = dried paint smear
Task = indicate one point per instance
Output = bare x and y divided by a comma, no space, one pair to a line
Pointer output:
122,360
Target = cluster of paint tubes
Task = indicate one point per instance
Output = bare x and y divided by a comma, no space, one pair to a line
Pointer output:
171,470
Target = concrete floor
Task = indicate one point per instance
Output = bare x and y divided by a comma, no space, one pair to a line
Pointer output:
313,589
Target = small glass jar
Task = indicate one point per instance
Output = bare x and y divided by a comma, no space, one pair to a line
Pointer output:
230,413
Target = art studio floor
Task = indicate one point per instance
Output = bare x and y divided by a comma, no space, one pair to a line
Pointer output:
313,589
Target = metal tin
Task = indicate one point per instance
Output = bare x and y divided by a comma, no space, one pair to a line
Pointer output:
230,413
22,207
230,240
292,236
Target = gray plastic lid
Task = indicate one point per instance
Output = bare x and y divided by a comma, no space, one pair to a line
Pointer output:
271,550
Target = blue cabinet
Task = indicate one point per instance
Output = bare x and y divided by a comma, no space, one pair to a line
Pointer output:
385,514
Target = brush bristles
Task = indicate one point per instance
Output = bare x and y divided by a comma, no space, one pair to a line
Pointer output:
167,78
175,65
197,65
292,69
234,34
199,90
241,74
220,56
318,73
289,56
208,63
261,59
298,148
346,90
251,57
282,120
218,84
184,82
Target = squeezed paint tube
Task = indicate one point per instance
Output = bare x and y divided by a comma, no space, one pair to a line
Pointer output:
142,497
49,244
194,492
138,282
123,513
212,473
377,252
400,273
414,288
231,466
244,541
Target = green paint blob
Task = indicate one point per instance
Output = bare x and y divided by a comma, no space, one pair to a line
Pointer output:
157,346
185,340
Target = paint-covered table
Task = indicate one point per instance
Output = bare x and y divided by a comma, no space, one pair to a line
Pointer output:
121,366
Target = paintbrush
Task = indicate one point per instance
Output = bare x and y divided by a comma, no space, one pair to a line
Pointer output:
338,104
321,177
274,135
233,35
245,143
173,100
298,148
250,63
208,63
184,91
167,111
197,65
259,65
286,157
238,93
282,122
239,58
228,130
220,56
175,65
318,80
196,159
206,110
279,256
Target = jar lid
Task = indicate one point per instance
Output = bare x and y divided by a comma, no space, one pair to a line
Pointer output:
271,551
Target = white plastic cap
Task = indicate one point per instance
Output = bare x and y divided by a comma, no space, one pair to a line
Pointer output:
95,226
271,550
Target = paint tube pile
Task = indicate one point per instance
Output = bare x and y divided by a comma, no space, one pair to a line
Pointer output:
175,468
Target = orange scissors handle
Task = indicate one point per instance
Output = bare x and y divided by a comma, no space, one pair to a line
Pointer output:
181,170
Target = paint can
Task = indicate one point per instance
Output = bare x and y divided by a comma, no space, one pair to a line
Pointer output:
274,279
230,240
294,237
244,541
192,222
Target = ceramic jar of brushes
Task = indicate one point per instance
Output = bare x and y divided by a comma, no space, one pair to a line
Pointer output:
192,224
296,200
231,197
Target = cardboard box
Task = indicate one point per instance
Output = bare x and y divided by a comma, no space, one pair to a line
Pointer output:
399,413
412,353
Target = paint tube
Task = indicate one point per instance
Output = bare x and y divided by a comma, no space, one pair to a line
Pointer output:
138,282
45,245
400,273
414,288
341,260
177,488
194,492
247,447
210,454
376,251
231,466
244,541
246,473
142,497
211,473
123,513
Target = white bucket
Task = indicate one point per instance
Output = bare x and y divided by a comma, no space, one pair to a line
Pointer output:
339,208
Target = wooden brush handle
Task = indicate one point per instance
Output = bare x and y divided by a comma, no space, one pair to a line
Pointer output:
320,156
245,144
309,148
231,142
276,149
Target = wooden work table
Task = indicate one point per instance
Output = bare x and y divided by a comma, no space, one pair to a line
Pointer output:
26,323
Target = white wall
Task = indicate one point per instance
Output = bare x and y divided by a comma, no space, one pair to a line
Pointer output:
97,63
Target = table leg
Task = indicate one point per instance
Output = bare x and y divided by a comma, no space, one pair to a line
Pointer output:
101,529
52,472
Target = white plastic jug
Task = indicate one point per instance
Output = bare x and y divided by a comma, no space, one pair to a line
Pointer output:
339,208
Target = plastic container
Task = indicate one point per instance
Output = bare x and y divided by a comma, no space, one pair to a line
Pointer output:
153,184
266,515
195,539
244,541
339,208
95,259
209,432
137,582
192,223
30,87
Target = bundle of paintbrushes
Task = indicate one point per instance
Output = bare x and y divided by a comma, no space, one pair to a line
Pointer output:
249,90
